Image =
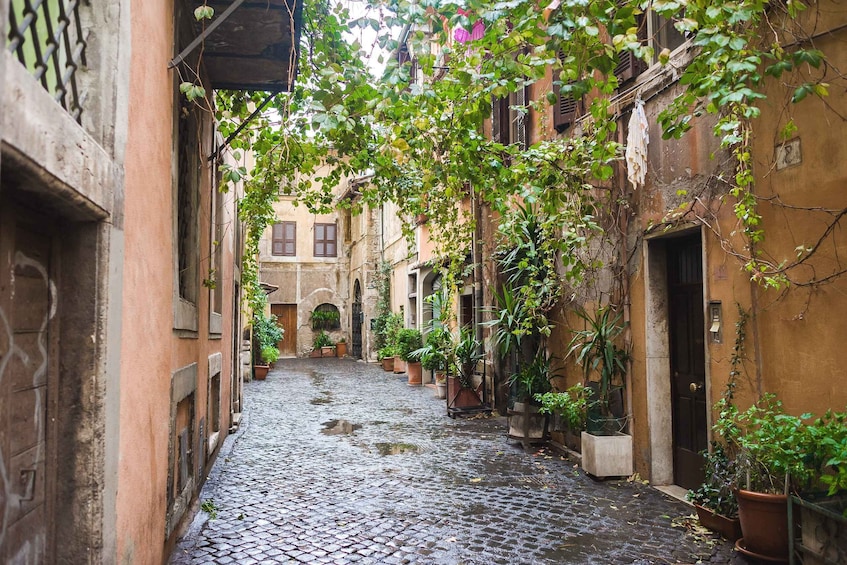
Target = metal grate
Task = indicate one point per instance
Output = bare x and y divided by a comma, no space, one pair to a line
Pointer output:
47,37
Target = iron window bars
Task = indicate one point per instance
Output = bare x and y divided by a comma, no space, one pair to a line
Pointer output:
47,37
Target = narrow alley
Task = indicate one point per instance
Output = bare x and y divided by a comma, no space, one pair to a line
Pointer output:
339,462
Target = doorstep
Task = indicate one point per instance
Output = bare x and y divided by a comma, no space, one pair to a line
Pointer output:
674,491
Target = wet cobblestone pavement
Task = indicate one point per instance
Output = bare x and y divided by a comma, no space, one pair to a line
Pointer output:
339,462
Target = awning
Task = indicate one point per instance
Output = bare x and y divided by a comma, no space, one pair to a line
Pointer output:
250,44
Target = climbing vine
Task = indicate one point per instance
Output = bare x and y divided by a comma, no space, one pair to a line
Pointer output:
423,138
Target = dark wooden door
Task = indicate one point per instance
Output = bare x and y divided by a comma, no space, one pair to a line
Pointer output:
357,318
287,318
688,359
26,310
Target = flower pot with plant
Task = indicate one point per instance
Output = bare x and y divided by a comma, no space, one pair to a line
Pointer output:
463,382
435,354
527,422
717,508
606,449
323,343
267,334
408,342
771,449
341,347
568,408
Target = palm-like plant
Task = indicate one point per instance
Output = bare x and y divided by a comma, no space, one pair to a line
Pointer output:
596,350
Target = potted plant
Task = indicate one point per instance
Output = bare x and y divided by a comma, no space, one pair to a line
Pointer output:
341,347
323,343
386,356
717,508
606,449
436,352
266,336
526,421
408,342
569,408
771,448
463,390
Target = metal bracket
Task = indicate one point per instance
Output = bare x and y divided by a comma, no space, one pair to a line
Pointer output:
206,32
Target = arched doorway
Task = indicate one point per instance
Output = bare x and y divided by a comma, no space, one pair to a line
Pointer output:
356,322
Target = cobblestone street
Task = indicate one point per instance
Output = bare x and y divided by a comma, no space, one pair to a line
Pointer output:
339,462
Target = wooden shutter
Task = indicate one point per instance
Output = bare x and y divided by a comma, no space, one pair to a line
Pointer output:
289,237
278,240
325,240
629,66
566,109
521,118
331,239
320,248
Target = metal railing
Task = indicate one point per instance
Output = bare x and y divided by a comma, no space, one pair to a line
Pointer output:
46,36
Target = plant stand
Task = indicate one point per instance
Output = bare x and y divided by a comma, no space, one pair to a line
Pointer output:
464,401
607,456
822,539
527,425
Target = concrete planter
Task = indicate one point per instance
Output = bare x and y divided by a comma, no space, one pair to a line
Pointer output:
607,456
527,424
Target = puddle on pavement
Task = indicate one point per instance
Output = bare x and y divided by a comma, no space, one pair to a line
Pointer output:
396,448
339,427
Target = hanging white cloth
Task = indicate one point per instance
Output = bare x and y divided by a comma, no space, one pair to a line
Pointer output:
636,145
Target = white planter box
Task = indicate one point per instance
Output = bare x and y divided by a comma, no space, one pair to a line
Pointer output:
607,456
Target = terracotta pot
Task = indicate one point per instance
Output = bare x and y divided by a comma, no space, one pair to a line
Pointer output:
729,528
315,353
388,363
399,365
261,371
341,349
415,373
459,396
764,525
327,351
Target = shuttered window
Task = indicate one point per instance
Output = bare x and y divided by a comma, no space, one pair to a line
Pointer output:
566,110
325,240
284,239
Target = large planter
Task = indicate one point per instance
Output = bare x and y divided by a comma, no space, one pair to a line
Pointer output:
387,363
341,349
729,528
328,351
823,529
607,456
764,525
527,424
414,373
261,371
399,365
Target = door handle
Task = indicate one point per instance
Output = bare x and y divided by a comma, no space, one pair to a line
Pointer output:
694,387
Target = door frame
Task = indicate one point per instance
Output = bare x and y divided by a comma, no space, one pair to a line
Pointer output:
657,350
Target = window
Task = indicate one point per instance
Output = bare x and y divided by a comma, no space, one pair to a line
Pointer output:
566,110
510,118
325,240
284,239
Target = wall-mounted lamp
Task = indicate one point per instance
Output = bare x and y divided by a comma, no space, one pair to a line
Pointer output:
715,319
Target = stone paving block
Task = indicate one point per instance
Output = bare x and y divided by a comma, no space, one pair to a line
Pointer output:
305,496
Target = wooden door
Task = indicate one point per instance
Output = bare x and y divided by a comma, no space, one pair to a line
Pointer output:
26,361
287,318
688,359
